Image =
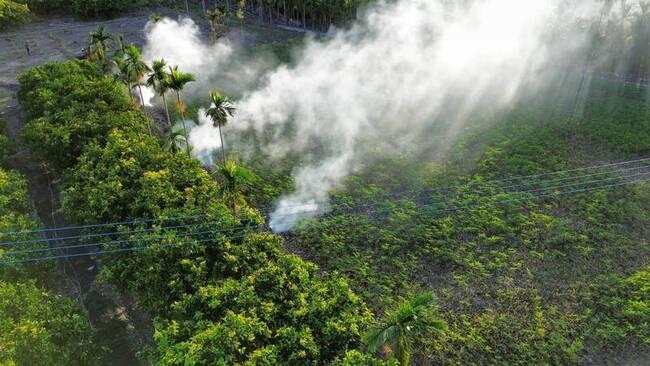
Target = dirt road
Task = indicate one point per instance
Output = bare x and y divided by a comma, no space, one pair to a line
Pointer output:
123,330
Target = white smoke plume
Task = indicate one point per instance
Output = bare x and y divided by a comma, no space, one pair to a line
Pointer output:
218,66
400,68
204,139
180,44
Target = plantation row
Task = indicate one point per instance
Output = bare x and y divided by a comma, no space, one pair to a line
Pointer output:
32,317
229,299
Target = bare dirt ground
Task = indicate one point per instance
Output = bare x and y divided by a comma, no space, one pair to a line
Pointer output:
121,327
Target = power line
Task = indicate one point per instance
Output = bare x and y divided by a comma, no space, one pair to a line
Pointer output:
113,242
334,209
268,208
452,209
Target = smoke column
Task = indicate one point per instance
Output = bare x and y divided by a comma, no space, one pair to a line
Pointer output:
382,82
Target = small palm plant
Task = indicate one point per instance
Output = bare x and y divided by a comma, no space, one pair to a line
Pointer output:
155,17
394,335
123,75
98,46
137,68
220,110
234,180
177,81
158,80
173,140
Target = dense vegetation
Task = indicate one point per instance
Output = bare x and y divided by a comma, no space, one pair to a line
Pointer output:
37,327
524,275
12,13
561,279
219,297
550,281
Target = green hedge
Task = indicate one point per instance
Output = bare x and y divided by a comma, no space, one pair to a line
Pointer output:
234,296
12,13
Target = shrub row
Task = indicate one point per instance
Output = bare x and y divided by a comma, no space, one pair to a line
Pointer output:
37,327
225,296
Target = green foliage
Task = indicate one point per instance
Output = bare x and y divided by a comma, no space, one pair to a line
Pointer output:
513,278
17,214
271,311
401,327
356,358
86,8
219,296
6,148
99,8
44,6
70,105
621,309
38,328
12,13
131,177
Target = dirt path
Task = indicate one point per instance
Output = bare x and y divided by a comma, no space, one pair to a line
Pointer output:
123,330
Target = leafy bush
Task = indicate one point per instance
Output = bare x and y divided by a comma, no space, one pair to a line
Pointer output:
277,312
224,296
99,8
6,147
12,13
44,6
621,308
133,177
70,105
39,328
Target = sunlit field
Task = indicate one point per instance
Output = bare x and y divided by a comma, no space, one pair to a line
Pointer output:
349,183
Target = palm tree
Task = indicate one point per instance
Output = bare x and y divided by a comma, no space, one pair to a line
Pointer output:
137,68
395,333
213,19
177,81
158,80
235,179
98,45
123,74
241,5
219,112
173,140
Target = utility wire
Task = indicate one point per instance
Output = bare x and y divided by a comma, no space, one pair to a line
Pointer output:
268,208
452,209
333,209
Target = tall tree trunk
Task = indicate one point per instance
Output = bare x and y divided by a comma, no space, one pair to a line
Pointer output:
141,96
187,136
187,7
223,151
142,102
203,4
128,86
169,120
